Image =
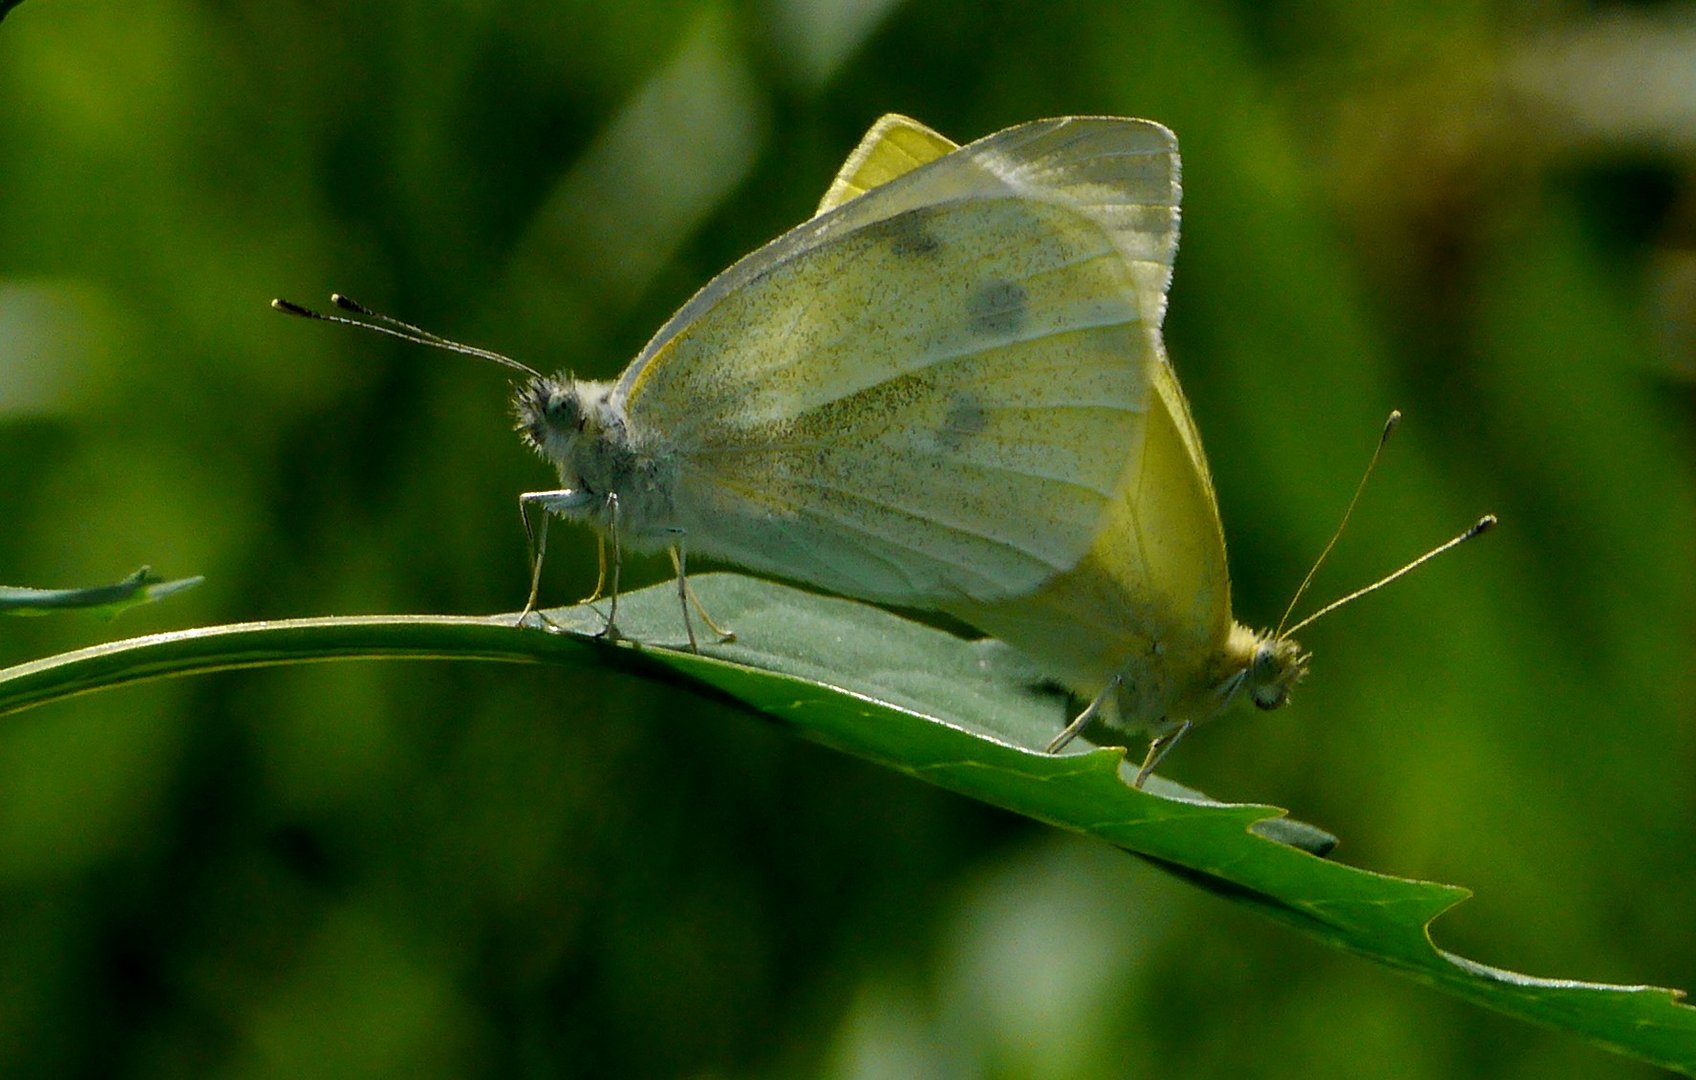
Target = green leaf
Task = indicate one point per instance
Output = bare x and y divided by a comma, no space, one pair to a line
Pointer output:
141,587
962,715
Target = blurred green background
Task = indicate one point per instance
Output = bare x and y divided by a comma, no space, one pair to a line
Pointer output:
1481,214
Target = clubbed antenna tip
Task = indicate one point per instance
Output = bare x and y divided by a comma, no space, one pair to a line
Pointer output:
378,323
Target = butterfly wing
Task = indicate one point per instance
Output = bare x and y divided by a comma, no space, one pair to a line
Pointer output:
895,145
935,391
1158,561
1150,601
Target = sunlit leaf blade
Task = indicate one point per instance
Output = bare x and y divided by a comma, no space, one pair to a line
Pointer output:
958,714
141,587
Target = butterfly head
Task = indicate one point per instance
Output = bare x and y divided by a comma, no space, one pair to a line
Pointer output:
568,422
1266,666
1277,665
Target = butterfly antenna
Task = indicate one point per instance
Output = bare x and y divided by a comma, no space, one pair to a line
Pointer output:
1479,528
378,323
1371,466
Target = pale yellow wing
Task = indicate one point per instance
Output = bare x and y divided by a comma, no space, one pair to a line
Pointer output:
1120,174
933,393
1150,601
895,145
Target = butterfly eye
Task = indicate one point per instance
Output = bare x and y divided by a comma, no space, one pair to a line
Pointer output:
1267,690
563,408
1277,666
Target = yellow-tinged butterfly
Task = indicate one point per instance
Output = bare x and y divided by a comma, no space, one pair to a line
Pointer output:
945,391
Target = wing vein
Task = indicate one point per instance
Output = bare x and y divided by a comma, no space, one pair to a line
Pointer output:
898,509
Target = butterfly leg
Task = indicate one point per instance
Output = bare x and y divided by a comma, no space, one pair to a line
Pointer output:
679,564
688,596
611,631
1158,749
536,541
1076,727
600,571
549,503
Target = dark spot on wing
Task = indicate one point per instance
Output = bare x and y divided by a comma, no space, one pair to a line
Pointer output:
906,234
998,308
966,420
